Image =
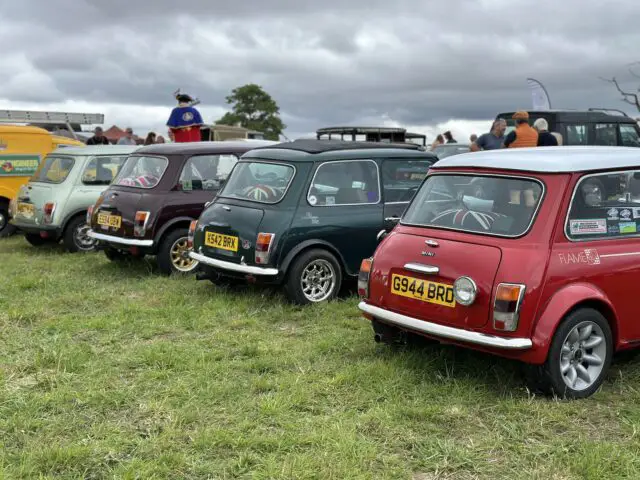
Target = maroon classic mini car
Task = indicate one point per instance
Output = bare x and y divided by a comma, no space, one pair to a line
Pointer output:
159,190
531,254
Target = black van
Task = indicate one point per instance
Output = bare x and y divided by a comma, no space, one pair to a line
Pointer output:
587,127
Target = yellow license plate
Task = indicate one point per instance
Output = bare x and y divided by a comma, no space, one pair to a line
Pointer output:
107,220
432,292
26,209
217,240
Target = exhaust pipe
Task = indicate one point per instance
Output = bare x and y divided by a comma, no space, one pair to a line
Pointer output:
377,338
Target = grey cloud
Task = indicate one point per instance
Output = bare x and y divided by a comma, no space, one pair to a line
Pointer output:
330,62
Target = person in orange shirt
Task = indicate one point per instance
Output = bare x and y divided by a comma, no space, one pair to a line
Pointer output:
524,135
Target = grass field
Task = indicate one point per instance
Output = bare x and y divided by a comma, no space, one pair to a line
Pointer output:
112,371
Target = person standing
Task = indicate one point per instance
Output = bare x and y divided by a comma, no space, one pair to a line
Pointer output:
160,139
492,140
449,137
438,141
128,137
151,139
473,138
98,138
185,121
545,138
524,135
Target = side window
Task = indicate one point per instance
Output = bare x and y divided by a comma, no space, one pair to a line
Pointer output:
629,134
576,135
605,206
345,183
206,172
606,134
102,170
402,177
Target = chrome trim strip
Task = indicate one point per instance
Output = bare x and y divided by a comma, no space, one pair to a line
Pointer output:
452,333
419,268
119,240
234,267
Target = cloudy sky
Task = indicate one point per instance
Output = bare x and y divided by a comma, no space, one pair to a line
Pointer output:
426,65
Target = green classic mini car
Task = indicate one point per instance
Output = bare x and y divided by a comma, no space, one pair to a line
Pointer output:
304,214
53,205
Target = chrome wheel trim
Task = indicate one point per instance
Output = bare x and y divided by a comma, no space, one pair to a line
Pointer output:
3,221
584,351
81,238
177,256
318,280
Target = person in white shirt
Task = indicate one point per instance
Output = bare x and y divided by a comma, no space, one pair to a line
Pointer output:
128,138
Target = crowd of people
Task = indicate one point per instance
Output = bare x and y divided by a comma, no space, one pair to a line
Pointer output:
523,135
128,138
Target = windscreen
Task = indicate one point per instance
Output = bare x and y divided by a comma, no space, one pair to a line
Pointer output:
54,169
502,206
141,172
259,182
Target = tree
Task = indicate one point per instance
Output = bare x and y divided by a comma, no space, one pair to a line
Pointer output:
253,108
627,96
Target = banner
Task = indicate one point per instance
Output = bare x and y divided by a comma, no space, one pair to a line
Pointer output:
18,165
539,95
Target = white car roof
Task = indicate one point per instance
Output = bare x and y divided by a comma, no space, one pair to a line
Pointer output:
98,150
547,159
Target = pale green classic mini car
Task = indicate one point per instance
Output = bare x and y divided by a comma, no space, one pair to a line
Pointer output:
53,205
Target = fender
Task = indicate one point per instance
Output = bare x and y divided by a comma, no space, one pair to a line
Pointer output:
67,219
171,223
560,304
284,266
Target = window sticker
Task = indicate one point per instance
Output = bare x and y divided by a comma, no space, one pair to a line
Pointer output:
313,200
625,214
613,230
588,227
636,212
627,227
612,214
187,185
330,200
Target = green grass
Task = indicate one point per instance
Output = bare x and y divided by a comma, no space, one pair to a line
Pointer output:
112,371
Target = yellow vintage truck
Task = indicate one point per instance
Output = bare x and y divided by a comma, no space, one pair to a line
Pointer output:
23,147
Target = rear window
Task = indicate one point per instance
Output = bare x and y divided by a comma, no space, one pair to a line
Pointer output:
142,172
259,182
54,169
503,206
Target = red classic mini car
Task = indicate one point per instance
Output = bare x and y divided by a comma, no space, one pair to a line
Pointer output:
531,254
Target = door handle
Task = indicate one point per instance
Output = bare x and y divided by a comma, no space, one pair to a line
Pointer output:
391,219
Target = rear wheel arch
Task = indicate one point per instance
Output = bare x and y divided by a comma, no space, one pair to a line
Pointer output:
565,302
72,216
312,245
168,227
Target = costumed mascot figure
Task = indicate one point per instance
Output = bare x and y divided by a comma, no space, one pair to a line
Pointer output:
185,121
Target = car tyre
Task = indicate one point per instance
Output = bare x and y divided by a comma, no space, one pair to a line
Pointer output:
171,253
35,239
315,276
579,357
75,238
6,229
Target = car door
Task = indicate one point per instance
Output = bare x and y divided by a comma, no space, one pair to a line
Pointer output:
200,180
600,245
345,209
97,174
401,178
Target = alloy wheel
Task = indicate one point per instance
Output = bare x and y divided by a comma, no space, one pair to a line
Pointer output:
583,354
81,238
318,280
179,259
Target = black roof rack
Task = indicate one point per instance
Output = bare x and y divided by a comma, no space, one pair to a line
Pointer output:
320,146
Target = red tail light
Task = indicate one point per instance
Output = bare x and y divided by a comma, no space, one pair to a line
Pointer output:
363,277
89,214
49,209
140,224
192,232
263,247
506,306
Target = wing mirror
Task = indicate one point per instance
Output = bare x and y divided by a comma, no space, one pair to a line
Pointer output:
381,235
